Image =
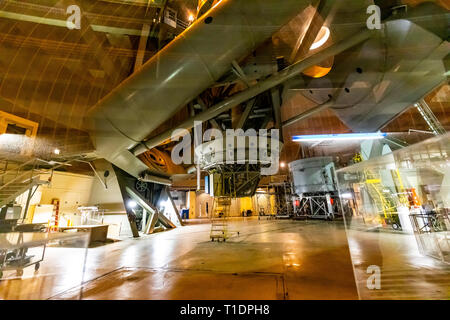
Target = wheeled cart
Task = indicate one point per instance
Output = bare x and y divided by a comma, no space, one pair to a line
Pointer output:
15,247
17,258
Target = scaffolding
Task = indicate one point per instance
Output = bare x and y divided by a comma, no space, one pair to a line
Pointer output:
317,205
261,202
283,199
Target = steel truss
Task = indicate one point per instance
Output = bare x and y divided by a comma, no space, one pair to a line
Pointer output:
318,206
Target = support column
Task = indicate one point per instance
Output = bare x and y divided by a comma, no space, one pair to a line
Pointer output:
174,207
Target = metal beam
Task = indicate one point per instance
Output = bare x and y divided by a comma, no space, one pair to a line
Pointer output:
142,45
202,105
167,190
151,222
27,205
144,203
248,108
308,113
147,176
95,172
276,103
397,142
261,87
240,73
93,40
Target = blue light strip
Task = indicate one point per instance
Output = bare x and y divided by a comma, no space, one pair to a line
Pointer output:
340,136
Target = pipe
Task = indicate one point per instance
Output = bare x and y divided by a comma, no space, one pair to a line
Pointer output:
188,65
259,88
308,113
198,177
148,177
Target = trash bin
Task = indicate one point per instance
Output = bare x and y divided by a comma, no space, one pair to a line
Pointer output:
184,214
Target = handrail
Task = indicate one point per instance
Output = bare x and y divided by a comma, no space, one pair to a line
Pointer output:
4,170
19,167
19,176
35,169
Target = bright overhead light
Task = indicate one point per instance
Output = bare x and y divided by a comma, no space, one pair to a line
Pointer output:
322,37
340,137
56,151
191,18
282,164
131,204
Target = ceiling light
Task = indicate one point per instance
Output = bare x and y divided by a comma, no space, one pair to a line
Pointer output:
322,37
131,204
340,136
56,151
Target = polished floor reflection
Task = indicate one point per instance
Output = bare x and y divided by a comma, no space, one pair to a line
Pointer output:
271,259
405,273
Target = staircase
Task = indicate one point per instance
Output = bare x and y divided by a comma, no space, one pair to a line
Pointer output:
429,117
18,177
384,203
402,194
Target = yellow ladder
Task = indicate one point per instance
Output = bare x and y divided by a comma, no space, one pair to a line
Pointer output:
219,219
385,203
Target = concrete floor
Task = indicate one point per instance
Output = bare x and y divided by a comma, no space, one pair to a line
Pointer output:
271,259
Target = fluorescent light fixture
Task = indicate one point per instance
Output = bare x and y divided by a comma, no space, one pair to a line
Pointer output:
340,136
346,195
322,37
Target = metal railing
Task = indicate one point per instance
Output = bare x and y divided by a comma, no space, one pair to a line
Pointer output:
182,24
28,171
429,117
16,173
432,232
